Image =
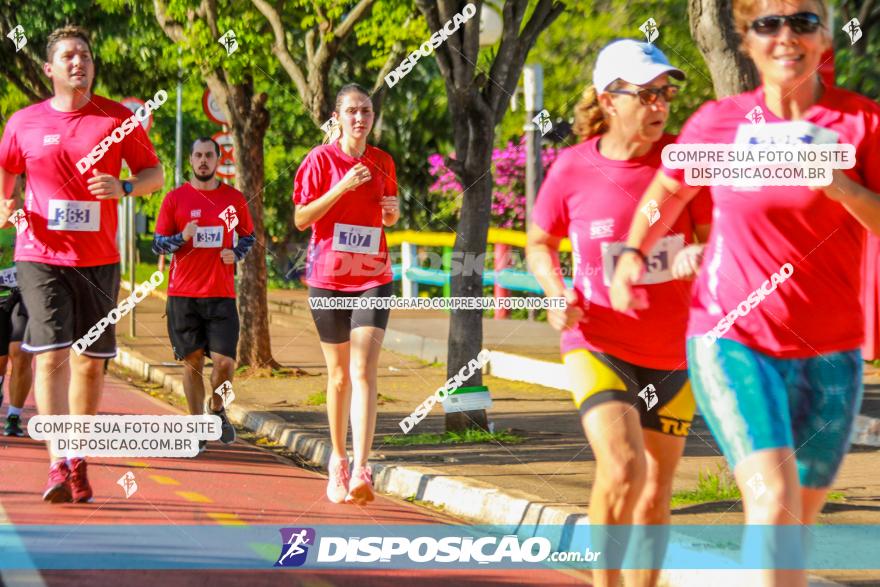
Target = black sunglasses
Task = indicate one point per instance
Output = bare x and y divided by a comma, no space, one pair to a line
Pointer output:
802,23
648,96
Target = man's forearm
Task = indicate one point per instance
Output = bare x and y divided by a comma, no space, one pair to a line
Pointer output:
167,244
244,245
147,181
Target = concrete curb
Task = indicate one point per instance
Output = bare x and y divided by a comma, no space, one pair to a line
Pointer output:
473,500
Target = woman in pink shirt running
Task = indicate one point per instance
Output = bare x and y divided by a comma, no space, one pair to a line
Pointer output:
775,323
628,372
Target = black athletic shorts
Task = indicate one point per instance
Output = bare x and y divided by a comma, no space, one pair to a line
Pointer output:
335,326
202,323
65,303
13,320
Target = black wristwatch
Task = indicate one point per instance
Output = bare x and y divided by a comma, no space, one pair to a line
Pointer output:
127,187
637,251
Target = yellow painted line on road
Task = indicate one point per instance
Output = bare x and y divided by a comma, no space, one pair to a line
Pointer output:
139,464
194,497
163,480
226,519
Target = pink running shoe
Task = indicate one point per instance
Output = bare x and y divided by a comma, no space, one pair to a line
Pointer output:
337,484
81,491
360,490
58,486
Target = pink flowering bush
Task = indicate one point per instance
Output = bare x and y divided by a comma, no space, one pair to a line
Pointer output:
508,193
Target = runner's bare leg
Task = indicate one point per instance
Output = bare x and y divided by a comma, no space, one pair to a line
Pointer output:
193,383
222,370
366,344
52,383
338,393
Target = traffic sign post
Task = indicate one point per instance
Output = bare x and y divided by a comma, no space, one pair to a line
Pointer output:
226,163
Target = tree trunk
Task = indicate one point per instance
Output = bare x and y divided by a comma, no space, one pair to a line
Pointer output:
255,345
249,122
466,326
713,30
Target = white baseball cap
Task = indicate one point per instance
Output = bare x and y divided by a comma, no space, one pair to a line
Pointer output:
632,61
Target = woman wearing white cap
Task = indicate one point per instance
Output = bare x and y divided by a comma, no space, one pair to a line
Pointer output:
775,322
627,371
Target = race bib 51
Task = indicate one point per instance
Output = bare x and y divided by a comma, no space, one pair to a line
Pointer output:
356,239
74,215
659,266
208,237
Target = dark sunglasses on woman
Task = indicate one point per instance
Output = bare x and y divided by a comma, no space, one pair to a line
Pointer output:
648,96
802,23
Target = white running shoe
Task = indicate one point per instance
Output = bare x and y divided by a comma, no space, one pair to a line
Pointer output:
360,490
337,484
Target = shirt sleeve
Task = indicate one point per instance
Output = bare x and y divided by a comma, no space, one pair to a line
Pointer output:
700,207
245,224
309,182
391,178
166,224
138,151
692,133
11,157
550,212
871,163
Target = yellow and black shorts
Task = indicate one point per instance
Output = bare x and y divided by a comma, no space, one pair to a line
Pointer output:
663,398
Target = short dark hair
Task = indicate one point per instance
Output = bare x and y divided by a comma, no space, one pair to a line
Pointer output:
205,140
66,32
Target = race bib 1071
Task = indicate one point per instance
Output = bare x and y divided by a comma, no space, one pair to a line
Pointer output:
356,239
659,266
74,215
208,237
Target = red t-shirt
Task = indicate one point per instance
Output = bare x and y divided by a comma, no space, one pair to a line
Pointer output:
592,199
347,251
46,145
757,230
197,271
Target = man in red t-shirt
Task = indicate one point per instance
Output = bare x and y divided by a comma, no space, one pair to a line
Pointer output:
71,148
198,223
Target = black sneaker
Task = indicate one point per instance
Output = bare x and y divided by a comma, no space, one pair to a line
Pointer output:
13,426
227,431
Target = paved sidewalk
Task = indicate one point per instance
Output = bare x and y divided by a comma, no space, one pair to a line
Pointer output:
544,479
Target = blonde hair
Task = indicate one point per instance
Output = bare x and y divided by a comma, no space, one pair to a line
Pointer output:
589,118
744,12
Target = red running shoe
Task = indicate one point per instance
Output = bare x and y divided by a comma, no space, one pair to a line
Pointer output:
81,491
58,486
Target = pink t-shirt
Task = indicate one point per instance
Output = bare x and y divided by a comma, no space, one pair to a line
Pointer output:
347,251
592,200
46,145
755,231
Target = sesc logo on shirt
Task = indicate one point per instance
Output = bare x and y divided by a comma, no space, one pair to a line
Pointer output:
51,140
602,228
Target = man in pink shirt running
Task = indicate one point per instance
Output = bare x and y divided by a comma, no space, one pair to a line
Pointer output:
67,261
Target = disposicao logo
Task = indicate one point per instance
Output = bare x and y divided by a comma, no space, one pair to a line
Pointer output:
295,544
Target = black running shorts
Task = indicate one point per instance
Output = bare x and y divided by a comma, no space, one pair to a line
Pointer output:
202,323
65,303
13,320
335,326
